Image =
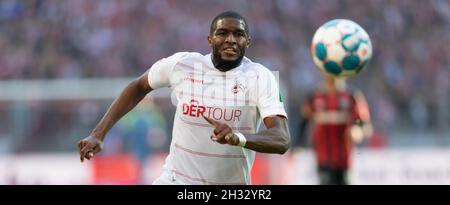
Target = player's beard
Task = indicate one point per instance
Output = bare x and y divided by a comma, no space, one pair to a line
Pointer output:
225,65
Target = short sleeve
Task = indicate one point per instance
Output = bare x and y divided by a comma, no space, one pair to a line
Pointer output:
160,73
270,101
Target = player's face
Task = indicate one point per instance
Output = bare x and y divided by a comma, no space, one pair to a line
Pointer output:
228,42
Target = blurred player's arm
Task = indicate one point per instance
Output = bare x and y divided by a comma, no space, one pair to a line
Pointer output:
362,127
135,91
275,139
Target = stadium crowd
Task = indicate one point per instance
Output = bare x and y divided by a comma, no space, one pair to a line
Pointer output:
406,83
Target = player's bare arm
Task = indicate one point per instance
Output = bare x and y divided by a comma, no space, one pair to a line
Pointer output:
127,100
275,139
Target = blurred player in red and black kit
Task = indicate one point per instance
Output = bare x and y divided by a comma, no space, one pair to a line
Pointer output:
339,117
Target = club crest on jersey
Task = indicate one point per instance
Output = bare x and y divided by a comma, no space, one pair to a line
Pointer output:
237,87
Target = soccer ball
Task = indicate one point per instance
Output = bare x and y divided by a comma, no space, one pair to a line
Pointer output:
341,48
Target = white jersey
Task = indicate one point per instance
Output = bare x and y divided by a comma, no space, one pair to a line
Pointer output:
240,97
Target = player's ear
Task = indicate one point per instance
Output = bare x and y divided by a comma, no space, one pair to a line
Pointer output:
248,42
209,40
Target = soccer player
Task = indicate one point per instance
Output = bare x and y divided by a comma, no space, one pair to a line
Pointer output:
339,118
221,99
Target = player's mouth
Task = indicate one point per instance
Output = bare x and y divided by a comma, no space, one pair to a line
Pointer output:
230,51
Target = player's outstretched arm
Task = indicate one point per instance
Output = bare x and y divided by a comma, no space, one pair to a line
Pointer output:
127,100
276,139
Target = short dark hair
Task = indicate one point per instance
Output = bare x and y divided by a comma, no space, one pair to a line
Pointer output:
226,14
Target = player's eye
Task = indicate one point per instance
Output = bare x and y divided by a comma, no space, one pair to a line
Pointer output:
220,33
240,34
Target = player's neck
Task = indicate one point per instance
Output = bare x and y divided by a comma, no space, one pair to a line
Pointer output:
330,88
333,86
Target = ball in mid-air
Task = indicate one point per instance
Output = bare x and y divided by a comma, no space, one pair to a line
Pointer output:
341,48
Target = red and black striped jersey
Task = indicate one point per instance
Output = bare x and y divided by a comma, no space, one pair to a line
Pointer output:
333,114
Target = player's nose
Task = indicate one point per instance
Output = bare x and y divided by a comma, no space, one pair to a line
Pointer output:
230,38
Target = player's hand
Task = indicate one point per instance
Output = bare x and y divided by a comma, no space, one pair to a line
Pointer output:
89,146
222,133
